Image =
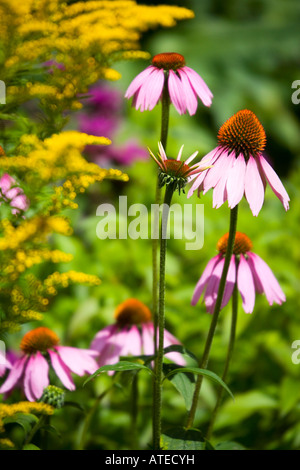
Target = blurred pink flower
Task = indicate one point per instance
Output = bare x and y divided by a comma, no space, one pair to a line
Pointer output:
184,85
238,166
246,269
102,116
30,371
9,191
132,334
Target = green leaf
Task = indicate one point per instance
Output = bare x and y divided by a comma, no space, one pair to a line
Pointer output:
30,447
229,445
206,373
119,367
180,438
26,421
183,382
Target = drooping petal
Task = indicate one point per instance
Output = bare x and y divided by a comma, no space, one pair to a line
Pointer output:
169,340
61,370
100,340
148,338
113,348
149,93
266,278
235,185
220,192
204,279
211,292
176,92
199,86
254,187
218,171
274,181
39,375
79,361
14,375
208,160
138,81
27,379
133,342
189,93
230,282
246,285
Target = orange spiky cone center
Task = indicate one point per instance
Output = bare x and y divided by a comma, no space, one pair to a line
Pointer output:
39,339
242,244
243,134
168,61
132,312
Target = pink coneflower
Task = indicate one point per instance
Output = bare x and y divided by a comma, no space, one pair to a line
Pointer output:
246,268
175,171
239,167
30,371
131,335
184,85
9,191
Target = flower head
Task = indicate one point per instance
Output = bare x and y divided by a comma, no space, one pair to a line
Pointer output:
184,85
176,172
239,167
9,191
246,269
131,334
30,371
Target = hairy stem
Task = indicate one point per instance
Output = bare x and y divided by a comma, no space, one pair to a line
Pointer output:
204,362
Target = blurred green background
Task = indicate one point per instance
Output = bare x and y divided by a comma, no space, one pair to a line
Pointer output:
248,54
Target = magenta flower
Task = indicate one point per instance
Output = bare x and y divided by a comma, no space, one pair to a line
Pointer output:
238,166
184,85
9,191
132,334
30,371
246,269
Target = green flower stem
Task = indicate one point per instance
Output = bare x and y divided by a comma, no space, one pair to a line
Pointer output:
204,362
228,359
157,402
42,420
134,411
165,112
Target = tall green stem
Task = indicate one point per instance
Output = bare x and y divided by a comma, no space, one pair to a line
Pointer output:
157,402
228,359
203,363
165,111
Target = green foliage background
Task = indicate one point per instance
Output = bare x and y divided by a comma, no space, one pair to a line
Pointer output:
248,54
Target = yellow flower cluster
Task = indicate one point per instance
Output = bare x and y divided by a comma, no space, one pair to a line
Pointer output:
85,38
65,279
24,407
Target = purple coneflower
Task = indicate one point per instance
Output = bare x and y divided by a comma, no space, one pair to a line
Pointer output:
9,191
239,167
131,335
246,268
184,85
30,371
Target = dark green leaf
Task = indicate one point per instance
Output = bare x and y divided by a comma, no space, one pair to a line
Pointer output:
184,382
229,445
206,373
30,447
26,421
180,438
119,367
